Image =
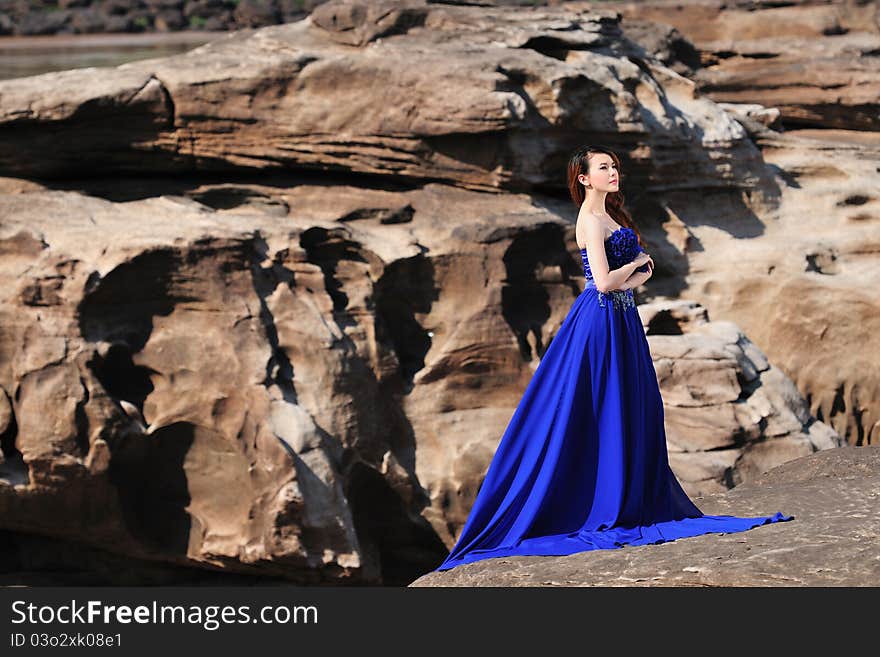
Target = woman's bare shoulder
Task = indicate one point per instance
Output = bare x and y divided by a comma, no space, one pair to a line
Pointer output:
588,226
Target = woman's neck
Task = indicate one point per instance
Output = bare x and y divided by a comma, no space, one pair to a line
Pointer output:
595,203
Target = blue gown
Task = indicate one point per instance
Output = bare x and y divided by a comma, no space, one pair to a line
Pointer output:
583,464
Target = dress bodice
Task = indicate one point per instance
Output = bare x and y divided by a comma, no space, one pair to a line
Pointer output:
620,248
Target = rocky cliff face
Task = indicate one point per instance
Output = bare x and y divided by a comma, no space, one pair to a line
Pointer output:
808,69
268,306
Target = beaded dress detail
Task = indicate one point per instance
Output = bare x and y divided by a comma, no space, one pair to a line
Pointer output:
620,248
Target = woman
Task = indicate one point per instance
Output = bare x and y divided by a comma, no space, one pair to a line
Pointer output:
583,463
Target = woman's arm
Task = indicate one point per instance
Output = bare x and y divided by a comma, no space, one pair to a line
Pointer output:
635,280
638,278
617,278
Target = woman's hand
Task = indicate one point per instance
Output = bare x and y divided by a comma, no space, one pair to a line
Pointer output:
644,262
638,277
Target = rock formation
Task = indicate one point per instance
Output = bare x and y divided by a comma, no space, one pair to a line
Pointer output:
269,305
809,70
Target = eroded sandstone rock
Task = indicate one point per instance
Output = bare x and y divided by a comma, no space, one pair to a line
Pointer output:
317,401
306,374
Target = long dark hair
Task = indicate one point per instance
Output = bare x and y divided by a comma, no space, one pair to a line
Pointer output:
578,164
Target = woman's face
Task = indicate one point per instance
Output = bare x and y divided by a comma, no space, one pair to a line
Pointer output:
603,174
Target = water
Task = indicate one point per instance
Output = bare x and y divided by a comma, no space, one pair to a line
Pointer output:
22,56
